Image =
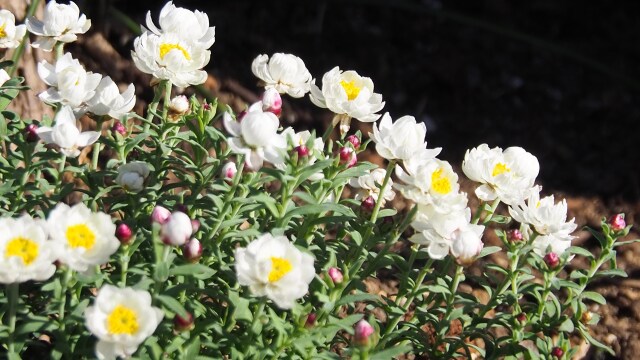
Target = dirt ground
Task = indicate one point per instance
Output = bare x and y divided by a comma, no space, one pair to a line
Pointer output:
557,78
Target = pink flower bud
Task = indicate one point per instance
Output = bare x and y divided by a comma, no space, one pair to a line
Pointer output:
179,105
514,235
271,101
522,318
348,156
183,323
177,229
160,214
311,320
557,352
552,259
229,170
617,222
118,128
363,332
336,275
354,141
124,233
195,225
206,106
302,151
368,204
192,250
31,133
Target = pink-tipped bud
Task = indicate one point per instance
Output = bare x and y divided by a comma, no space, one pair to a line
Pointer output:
160,214
368,204
177,229
206,106
552,260
302,151
229,171
183,323
179,105
354,140
514,235
124,233
118,128
522,318
31,133
271,101
348,156
557,352
336,275
241,115
363,332
195,225
311,320
192,250
617,222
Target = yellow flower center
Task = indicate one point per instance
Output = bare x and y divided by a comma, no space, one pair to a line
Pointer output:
23,248
350,88
500,168
3,34
122,320
439,183
80,236
279,268
165,48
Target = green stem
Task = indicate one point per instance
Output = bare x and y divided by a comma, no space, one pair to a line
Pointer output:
15,58
95,152
12,290
68,274
59,49
457,277
124,266
153,106
230,194
167,100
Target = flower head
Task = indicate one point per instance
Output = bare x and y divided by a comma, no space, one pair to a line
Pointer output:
467,243
437,230
177,229
10,34
70,83
85,238
131,176
349,94
271,101
109,101
60,22
27,254
179,105
430,182
66,135
191,25
402,139
121,319
368,183
271,266
285,73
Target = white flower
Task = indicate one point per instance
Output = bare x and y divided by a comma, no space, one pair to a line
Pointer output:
544,244
271,266
60,23
131,176
367,185
546,217
256,136
507,176
170,57
300,139
27,254
70,83
66,135
179,105
190,25
437,230
430,182
84,238
121,319
402,140
10,34
349,94
271,101
108,100
4,76
284,72
177,229
467,243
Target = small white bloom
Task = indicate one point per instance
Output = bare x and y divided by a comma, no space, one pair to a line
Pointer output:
436,230
256,136
347,93
190,25
430,182
368,185
271,101
70,83
467,243
60,23
271,266
544,244
27,254
170,57
10,34
402,139
4,76
66,135
108,100
177,229
299,139
121,319
505,175
85,238
131,176
179,105
284,72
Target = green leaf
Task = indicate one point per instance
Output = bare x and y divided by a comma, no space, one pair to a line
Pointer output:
585,333
580,251
173,305
594,296
161,272
567,326
350,299
198,271
489,250
391,352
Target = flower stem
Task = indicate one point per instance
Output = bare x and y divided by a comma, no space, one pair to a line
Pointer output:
12,290
95,152
167,100
68,274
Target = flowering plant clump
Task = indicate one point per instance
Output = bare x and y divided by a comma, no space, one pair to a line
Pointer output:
194,232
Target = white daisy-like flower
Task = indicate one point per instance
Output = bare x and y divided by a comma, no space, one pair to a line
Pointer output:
61,22
85,238
121,319
284,72
347,93
168,56
402,139
27,254
273,267
70,84
506,175
544,244
109,101
368,185
300,139
436,230
190,25
256,136
66,135
131,176
10,34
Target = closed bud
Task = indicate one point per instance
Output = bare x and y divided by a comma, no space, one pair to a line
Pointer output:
160,214
195,225
348,156
552,260
271,101
177,229
183,323
179,105
368,204
192,250
522,318
302,151
363,332
336,275
118,128
557,352
311,320
354,140
617,222
514,235
31,133
124,233
586,317
229,171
